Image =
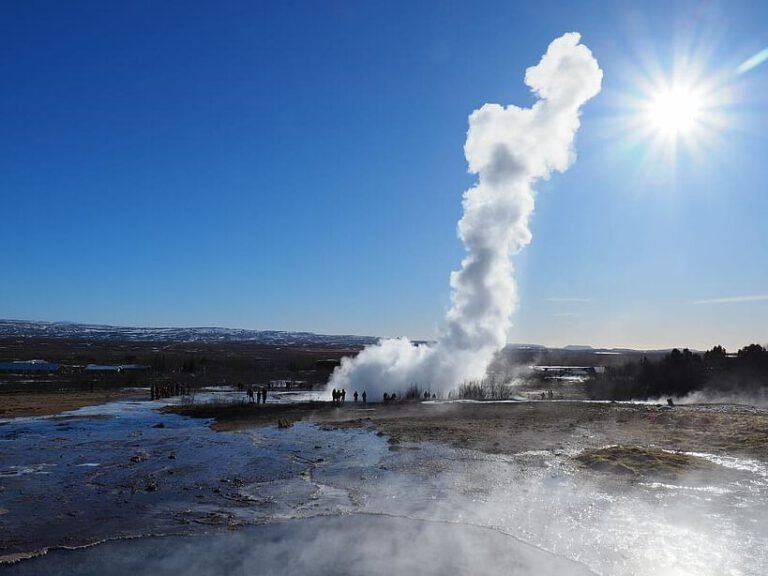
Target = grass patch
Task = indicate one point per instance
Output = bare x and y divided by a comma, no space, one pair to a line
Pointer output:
633,461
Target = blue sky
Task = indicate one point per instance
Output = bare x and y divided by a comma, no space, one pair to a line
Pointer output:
299,166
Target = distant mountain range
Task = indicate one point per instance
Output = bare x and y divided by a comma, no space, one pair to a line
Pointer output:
99,332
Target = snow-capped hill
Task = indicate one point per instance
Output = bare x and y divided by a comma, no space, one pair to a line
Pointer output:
28,329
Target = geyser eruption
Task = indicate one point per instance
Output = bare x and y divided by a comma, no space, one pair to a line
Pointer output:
509,148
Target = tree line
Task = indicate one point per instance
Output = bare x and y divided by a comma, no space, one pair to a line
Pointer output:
679,373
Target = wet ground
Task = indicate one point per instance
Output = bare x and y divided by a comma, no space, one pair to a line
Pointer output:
326,545
315,499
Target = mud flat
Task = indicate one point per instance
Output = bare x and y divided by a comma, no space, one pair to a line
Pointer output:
432,488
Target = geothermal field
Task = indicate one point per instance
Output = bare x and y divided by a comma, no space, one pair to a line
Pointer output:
301,485
254,165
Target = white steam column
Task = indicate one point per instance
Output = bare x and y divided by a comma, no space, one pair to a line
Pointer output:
509,148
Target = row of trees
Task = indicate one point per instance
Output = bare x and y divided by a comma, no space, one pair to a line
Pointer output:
682,372
488,389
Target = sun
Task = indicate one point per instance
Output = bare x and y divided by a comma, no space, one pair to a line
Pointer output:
674,114
677,117
676,111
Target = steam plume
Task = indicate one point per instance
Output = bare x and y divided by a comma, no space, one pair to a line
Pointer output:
509,148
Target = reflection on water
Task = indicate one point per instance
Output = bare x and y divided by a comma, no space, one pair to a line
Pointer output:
310,500
340,545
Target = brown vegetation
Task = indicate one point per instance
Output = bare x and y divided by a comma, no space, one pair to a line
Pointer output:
638,461
13,405
179,365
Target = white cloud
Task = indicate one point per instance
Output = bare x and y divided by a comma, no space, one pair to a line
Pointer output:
734,299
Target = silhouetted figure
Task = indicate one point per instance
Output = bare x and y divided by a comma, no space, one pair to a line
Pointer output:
333,396
365,397
543,396
355,396
393,397
343,395
386,397
426,395
670,402
551,395
250,394
434,396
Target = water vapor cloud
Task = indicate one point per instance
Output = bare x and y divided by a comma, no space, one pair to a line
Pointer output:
509,149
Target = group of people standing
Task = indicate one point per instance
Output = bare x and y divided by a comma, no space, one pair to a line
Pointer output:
339,396
261,395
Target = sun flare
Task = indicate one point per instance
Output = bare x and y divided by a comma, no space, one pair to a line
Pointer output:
682,115
675,111
671,118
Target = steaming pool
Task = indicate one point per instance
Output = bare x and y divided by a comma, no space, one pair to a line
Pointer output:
353,544
124,489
